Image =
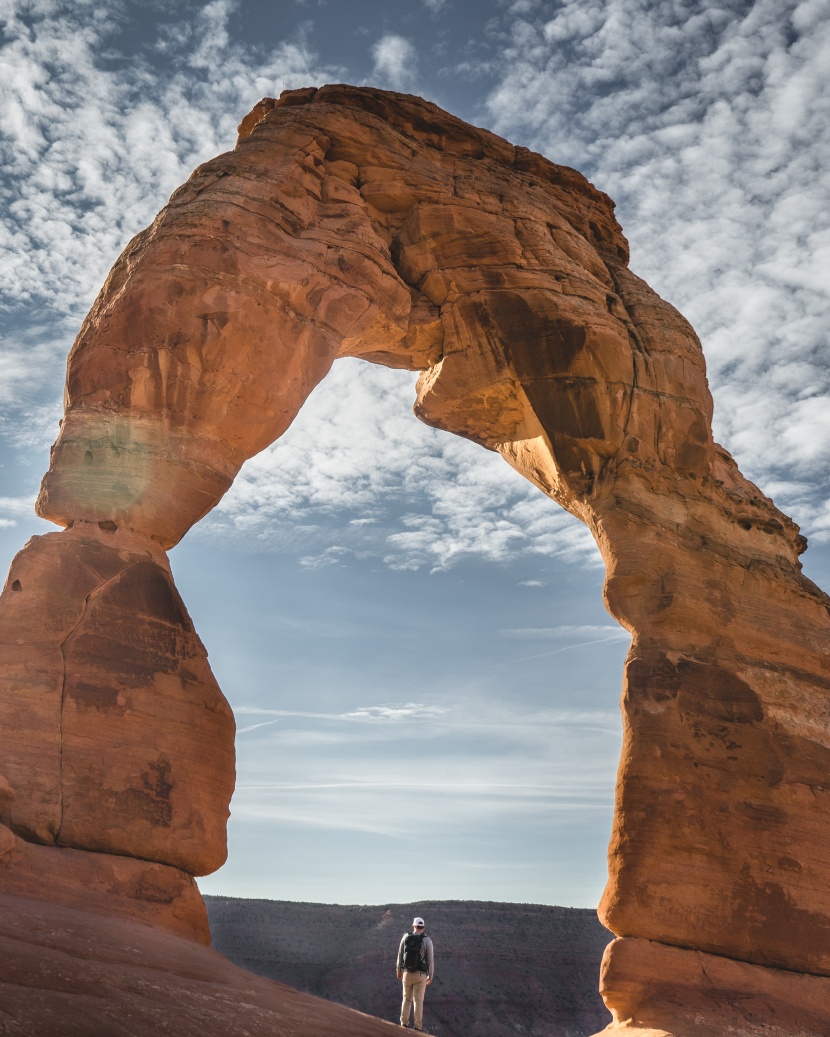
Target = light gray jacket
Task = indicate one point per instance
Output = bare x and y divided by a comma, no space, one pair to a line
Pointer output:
426,952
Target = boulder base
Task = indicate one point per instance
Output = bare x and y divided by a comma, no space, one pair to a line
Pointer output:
655,990
144,891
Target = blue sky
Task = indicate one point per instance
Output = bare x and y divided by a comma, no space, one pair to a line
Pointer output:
411,636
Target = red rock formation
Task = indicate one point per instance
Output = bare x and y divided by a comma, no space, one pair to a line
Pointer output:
655,989
101,883
123,741
354,222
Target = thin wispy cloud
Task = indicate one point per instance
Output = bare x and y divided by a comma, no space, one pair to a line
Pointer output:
366,714
394,808
559,651
567,791
255,727
571,633
488,737
17,505
397,809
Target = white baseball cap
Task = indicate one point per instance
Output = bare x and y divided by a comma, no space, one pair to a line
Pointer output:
419,922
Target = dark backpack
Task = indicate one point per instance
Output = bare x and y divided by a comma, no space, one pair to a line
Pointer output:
412,959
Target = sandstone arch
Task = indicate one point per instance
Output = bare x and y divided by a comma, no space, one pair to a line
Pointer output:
353,222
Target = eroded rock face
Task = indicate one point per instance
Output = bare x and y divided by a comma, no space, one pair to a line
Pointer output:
657,989
118,738
353,222
102,883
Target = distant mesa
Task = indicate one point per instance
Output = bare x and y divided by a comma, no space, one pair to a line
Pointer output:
355,222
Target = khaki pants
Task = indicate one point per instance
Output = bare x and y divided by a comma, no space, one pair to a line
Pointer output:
414,987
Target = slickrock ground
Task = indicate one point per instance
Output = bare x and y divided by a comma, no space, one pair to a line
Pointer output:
501,969
66,972
355,222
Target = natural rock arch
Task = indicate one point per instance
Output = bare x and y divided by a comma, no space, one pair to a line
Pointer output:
353,222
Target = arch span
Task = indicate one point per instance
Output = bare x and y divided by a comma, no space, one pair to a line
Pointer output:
354,222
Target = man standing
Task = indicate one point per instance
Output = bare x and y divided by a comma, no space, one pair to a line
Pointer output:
415,967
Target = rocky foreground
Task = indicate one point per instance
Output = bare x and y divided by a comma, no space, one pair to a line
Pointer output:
502,970
70,972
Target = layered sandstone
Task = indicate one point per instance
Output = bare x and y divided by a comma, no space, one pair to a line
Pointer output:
123,742
655,990
99,883
353,222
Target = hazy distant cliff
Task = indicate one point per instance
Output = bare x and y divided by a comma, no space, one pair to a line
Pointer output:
501,969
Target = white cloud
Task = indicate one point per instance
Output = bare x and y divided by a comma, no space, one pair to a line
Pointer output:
32,362
92,147
18,506
421,499
408,711
395,61
212,34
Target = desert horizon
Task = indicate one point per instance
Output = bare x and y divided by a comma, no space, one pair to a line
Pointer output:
546,960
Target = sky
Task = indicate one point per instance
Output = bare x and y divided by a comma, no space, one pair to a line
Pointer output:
425,681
